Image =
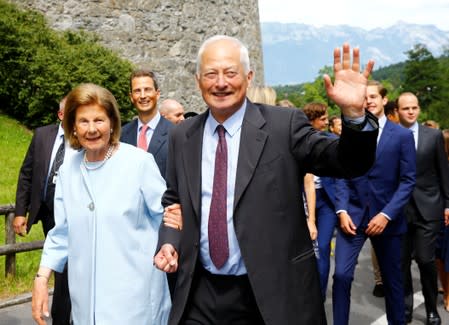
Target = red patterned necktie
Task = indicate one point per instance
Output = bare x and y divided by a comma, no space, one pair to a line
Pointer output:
142,142
217,228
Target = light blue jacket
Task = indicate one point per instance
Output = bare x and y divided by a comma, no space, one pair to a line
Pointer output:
106,226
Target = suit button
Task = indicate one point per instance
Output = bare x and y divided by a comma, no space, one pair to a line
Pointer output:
195,245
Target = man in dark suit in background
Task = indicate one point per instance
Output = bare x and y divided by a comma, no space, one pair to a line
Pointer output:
245,253
428,205
150,130
35,197
371,206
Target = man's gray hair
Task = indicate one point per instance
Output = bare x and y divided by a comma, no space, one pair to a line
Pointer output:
244,54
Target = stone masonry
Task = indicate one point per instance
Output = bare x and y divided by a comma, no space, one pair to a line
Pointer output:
163,35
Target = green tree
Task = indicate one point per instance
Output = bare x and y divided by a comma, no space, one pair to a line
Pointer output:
421,75
38,66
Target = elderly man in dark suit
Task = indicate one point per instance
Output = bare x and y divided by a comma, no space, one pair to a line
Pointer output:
35,196
150,130
244,253
427,207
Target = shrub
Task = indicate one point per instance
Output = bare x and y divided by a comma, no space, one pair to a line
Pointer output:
38,66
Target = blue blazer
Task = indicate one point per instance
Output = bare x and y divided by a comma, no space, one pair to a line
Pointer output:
387,186
158,146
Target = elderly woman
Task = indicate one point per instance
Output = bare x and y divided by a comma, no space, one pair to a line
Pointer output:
107,214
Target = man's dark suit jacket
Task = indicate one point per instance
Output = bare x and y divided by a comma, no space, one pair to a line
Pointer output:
33,175
158,144
277,147
431,193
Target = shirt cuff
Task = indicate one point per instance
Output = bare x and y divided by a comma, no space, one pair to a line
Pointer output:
386,216
363,123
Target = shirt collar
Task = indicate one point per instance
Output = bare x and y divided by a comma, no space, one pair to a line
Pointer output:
60,131
382,120
232,123
414,127
152,123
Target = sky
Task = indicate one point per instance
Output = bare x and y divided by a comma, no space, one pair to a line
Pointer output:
356,13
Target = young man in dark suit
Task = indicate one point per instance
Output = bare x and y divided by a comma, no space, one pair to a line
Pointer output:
245,253
34,198
428,206
371,206
149,126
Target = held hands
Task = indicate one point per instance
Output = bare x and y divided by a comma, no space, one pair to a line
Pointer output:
349,88
376,225
167,259
20,225
173,216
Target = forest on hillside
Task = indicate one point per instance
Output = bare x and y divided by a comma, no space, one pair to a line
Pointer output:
422,74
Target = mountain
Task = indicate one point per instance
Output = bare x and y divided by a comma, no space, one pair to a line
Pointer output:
294,53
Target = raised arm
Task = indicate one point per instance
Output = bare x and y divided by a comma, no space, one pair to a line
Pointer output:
349,88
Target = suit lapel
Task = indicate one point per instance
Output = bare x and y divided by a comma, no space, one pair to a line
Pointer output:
130,136
252,142
158,138
48,147
422,133
384,138
191,155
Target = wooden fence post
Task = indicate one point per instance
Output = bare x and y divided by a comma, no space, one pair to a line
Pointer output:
10,238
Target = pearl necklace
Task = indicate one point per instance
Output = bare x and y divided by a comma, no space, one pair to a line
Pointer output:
101,163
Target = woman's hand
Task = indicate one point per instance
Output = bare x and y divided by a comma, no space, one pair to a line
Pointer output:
173,216
312,229
39,302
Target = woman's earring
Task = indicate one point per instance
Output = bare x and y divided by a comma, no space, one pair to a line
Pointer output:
112,131
74,133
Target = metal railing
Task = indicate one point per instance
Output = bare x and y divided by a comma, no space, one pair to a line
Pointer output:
11,247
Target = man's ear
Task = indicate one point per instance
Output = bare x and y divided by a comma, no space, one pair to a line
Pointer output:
197,81
250,77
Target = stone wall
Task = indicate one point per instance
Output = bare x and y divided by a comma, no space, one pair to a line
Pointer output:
163,35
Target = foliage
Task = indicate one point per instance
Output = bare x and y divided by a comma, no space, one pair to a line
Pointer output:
421,74
38,66
426,77
14,141
393,73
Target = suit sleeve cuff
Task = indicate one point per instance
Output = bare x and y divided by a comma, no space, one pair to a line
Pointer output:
364,123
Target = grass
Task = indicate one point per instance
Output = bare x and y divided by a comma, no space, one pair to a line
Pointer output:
14,141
